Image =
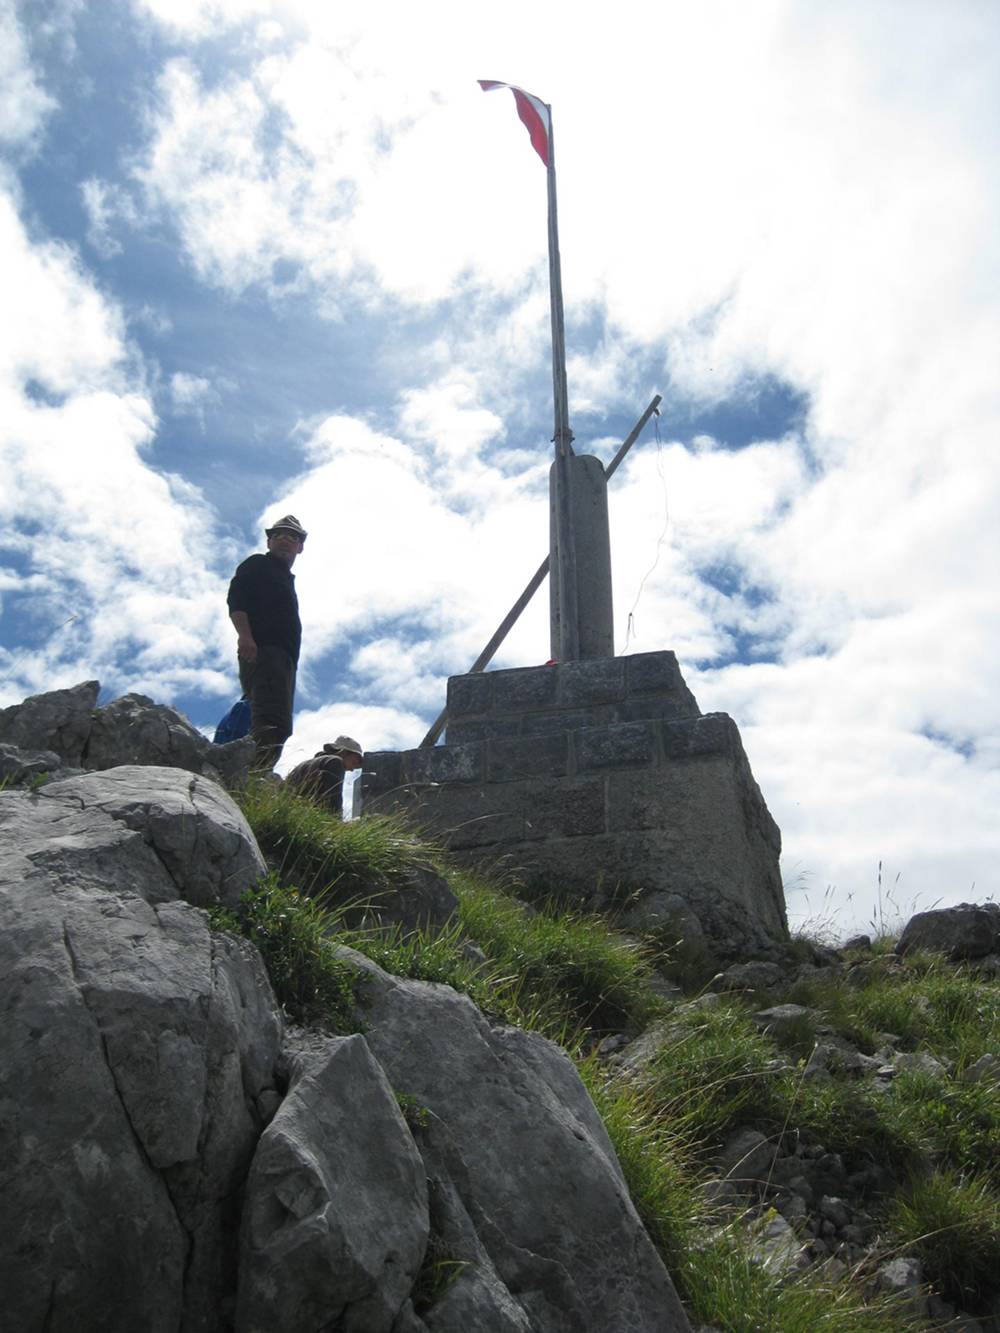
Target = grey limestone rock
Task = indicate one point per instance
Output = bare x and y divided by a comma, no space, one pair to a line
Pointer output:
519,1149
859,943
135,730
782,1020
130,730
59,721
193,828
336,1223
902,1278
920,1062
18,766
137,1051
421,901
746,1159
754,975
834,1055
969,930
984,1070
775,1246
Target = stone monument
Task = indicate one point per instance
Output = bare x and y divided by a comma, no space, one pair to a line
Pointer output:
601,780
594,775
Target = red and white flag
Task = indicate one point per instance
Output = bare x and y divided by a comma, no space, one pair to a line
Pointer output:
533,112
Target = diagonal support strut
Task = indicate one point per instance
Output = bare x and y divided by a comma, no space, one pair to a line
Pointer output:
509,620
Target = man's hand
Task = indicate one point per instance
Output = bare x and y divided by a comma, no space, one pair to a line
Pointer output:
246,648
246,644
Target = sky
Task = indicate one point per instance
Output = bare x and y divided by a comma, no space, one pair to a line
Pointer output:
272,256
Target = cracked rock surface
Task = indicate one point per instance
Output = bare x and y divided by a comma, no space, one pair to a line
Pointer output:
192,827
136,1046
527,1191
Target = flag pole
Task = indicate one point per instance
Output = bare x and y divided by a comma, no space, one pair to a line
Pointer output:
565,635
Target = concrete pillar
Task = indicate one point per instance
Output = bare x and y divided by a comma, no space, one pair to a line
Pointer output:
589,508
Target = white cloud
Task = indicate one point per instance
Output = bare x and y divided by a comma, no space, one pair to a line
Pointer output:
106,204
117,555
373,726
396,537
190,395
805,193
200,18
24,106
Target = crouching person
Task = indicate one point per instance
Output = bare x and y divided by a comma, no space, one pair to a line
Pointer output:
322,776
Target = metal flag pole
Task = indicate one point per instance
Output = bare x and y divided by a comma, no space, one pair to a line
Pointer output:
565,635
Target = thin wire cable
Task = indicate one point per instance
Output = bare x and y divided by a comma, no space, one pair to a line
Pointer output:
15,658
630,624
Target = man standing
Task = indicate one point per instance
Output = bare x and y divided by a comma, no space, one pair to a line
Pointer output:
265,613
322,776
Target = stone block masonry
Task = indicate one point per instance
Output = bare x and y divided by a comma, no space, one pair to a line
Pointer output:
601,778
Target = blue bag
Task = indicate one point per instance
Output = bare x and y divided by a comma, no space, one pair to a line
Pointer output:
235,724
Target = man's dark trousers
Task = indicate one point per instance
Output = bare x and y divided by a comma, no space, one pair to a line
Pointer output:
269,684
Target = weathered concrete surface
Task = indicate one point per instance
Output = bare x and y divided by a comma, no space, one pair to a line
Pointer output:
654,814
588,511
137,1047
530,701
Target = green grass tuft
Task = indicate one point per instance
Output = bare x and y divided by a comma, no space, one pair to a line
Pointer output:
951,1222
295,937
567,968
307,846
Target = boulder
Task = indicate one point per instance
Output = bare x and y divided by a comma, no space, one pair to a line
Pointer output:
754,975
530,1194
902,1278
920,1062
984,1070
421,901
135,730
21,767
746,1160
138,1050
336,1221
59,721
130,730
775,1246
787,1021
969,930
201,847
835,1055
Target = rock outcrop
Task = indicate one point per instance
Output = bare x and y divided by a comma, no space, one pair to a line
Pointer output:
174,1160
69,725
138,1051
968,931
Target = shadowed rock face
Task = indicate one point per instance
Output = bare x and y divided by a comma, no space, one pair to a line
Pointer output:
169,1163
130,730
967,931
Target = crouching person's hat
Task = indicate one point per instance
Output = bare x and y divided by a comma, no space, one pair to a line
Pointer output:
344,745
